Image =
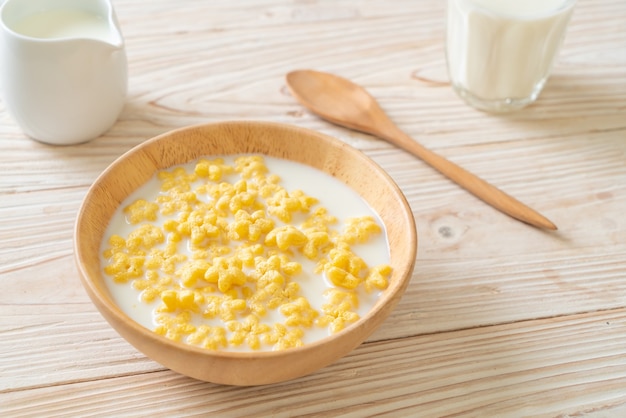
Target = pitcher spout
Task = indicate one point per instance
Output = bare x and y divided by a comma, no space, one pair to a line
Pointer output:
115,33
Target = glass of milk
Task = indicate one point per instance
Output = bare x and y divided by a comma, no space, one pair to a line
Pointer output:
500,52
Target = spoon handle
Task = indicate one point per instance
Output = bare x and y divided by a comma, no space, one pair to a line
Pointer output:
472,183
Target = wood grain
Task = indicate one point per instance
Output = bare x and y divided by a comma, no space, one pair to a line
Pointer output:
499,319
538,368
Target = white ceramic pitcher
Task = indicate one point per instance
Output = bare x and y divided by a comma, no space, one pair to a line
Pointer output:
63,69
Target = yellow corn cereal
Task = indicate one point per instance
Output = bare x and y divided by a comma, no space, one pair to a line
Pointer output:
250,331
299,312
285,237
282,337
124,267
223,255
205,336
359,230
378,278
141,210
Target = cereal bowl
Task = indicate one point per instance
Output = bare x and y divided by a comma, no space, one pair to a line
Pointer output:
299,145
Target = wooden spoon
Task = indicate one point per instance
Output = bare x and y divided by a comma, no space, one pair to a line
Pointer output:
344,103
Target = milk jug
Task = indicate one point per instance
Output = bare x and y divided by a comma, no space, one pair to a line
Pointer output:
63,68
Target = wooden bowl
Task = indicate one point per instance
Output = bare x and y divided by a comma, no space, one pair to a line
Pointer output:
338,159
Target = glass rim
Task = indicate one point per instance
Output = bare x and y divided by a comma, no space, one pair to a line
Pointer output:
563,7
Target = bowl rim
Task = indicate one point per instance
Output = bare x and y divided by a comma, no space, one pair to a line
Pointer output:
105,300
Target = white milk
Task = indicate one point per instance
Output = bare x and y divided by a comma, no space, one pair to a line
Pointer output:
341,202
63,23
500,52
521,9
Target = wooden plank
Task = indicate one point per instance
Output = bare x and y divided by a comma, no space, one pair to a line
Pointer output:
536,368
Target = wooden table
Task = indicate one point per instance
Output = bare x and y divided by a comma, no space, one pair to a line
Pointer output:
500,319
